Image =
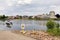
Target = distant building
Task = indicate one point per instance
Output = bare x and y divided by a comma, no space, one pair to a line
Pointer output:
17,16
39,16
52,14
25,17
33,16
10,17
43,16
46,16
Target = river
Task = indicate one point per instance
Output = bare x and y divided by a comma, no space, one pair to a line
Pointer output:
29,25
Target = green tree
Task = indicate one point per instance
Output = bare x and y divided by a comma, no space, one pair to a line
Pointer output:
30,17
3,17
20,17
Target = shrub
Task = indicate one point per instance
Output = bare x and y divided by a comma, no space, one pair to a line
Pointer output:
57,25
50,24
54,32
53,28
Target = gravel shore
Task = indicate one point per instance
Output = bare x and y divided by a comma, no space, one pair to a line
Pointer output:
28,35
38,35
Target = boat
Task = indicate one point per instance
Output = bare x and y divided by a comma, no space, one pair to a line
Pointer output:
8,24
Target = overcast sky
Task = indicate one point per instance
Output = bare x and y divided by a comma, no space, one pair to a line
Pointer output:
29,7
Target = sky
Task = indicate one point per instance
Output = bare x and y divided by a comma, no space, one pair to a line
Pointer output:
29,7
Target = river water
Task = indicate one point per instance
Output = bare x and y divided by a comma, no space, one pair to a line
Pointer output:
29,25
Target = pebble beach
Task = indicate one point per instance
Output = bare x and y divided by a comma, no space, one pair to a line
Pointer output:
38,35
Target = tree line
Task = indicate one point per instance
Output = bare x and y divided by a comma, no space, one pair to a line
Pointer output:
57,15
29,17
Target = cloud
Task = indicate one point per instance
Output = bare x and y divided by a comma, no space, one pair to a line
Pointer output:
1,8
28,7
46,2
17,2
5,5
14,2
55,8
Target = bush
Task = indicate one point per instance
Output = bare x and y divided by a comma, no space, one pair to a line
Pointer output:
50,24
57,25
53,28
54,32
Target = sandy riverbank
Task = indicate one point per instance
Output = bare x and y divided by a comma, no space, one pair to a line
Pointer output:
29,35
8,35
38,35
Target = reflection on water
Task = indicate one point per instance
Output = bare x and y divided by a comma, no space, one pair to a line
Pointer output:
29,25
8,26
